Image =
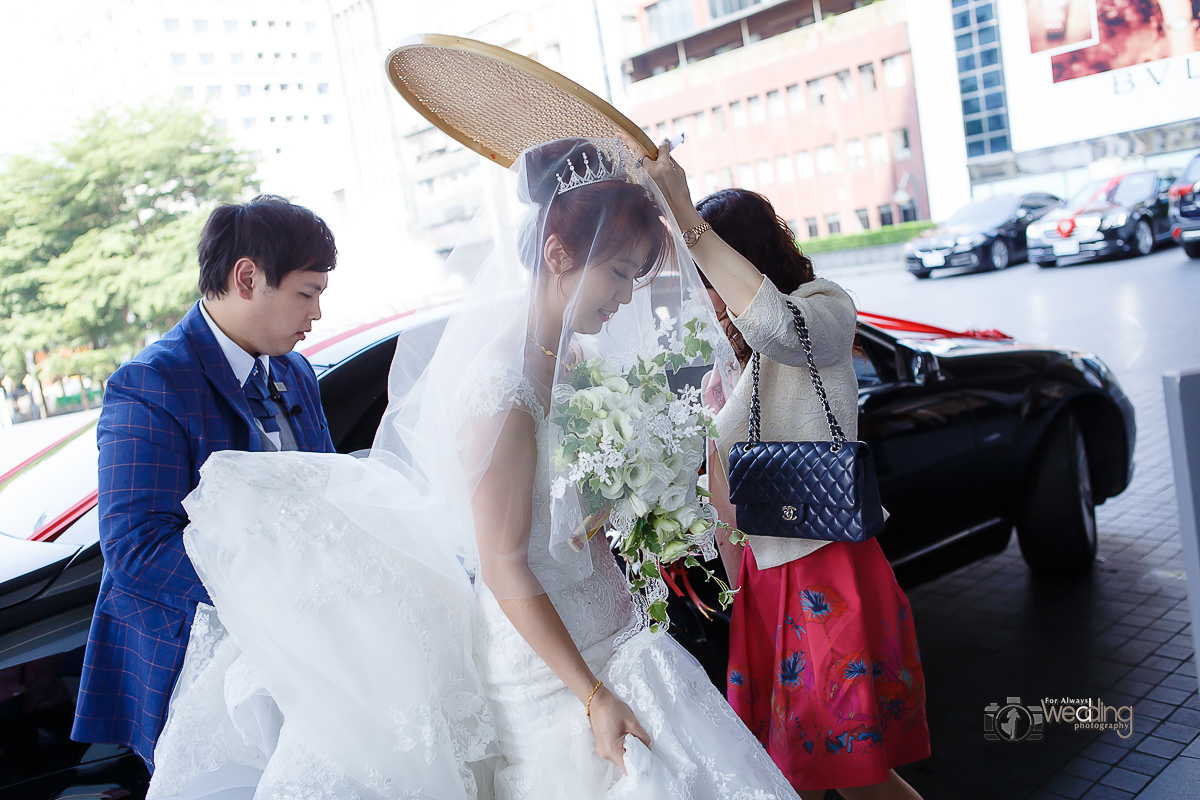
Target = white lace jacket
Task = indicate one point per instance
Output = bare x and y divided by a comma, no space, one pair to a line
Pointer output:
791,410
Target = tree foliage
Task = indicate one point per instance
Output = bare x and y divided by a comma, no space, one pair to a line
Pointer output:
97,239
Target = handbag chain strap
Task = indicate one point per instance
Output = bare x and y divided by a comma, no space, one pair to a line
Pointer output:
835,430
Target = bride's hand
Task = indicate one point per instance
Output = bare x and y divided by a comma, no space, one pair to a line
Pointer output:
611,720
672,182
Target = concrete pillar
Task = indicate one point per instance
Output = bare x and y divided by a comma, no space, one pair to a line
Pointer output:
1182,390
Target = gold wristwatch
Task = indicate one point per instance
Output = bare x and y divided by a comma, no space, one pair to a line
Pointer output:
692,235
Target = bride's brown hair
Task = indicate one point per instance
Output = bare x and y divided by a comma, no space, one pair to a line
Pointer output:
594,222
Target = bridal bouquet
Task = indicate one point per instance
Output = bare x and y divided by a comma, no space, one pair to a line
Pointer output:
633,449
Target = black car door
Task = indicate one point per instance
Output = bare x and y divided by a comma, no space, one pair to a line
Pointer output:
923,444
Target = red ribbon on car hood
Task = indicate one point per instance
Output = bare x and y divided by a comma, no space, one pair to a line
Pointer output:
898,324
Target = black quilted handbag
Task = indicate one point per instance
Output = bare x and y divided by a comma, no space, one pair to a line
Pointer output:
804,490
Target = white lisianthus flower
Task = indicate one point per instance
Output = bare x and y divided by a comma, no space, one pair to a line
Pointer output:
672,498
639,506
687,515
637,475
616,384
612,491
587,400
667,527
622,425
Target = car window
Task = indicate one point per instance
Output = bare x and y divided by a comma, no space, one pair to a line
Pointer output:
35,495
864,368
985,213
1164,183
1134,188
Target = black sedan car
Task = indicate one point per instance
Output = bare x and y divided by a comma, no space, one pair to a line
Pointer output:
1185,209
1124,215
971,436
984,234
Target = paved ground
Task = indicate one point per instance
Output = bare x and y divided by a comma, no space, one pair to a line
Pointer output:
989,632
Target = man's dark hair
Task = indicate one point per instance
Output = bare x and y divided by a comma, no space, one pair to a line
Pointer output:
277,235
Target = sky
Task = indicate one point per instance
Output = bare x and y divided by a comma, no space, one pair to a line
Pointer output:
35,72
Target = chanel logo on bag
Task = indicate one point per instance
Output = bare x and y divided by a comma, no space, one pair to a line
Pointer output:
789,513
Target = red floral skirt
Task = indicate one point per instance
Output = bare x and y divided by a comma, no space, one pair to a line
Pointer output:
824,668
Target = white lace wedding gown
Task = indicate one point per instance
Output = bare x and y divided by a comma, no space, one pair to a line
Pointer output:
347,660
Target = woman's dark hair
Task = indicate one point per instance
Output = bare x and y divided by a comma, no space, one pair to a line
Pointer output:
277,235
747,222
595,221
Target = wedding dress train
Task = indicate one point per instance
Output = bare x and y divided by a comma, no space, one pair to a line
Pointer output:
350,657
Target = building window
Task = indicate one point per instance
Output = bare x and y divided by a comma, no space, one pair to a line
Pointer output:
299,87
278,56
260,56
784,169
746,177
970,105
864,219
253,23
816,92
283,87
186,92
994,101
877,147
996,123
804,166
811,224
827,162
271,119
833,224
992,79
703,124
178,59
322,88
726,178
968,84
792,229
315,58
984,13
710,183
723,8
844,90
900,147
682,125
989,58
243,90
230,25
987,35
964,41
200,25
663,132
908,213
885,215
267,87
795,99
775,105
894,75
271,23
966,63
758,115
212,91
962,20
668,19
236,58
973,127
207,59
326,118
766,175
248,122
171,25
866,78
999,144
856,156
718,119
288,118
737,114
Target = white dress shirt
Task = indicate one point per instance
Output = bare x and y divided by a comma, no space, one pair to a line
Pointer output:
242,364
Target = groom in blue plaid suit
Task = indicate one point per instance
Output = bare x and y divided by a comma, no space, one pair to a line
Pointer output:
224,378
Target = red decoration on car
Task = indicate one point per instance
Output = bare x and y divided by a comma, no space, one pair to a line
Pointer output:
1065,226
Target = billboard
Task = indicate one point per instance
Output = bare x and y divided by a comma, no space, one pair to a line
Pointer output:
1082,69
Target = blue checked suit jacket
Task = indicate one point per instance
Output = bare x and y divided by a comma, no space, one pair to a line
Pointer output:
164,413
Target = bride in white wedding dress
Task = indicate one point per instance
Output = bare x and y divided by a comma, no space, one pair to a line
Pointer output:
428,622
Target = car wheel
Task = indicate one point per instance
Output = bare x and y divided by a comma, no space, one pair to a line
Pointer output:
999,254
1143,238
921,274
1057,526
1192,249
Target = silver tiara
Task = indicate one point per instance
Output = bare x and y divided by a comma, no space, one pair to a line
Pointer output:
589,175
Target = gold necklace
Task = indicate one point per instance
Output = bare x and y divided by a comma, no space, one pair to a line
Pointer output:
539,346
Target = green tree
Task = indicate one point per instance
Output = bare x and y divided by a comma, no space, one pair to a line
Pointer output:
97,239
